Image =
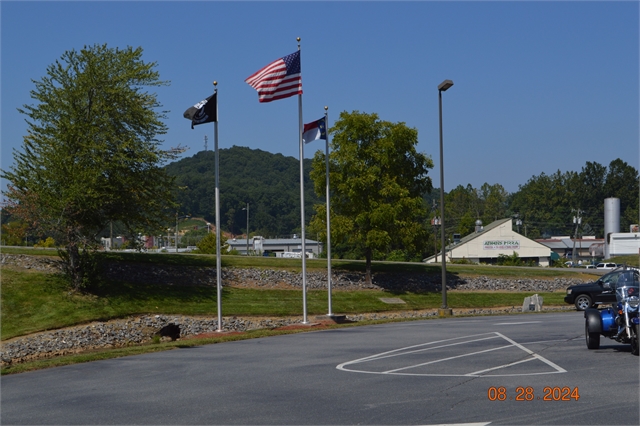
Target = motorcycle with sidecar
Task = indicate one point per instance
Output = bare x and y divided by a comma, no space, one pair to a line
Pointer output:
620,321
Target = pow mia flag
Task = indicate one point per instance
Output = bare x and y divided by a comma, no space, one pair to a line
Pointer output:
205,111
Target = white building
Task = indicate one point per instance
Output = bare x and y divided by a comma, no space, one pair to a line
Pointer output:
623,243
117,243
497,238
587,249
278,246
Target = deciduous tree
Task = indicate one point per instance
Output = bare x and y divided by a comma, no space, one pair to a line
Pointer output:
377,181
90,155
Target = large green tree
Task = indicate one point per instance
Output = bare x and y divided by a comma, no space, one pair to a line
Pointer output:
545,204
90,155
377,181
548,203
622,182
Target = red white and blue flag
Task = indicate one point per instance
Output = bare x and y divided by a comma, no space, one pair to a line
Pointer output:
314,131
278,80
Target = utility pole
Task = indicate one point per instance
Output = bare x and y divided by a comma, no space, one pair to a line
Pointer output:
577,219
518,221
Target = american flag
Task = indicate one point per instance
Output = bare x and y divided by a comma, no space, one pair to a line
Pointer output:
278,80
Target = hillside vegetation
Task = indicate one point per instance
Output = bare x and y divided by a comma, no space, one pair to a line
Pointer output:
269,183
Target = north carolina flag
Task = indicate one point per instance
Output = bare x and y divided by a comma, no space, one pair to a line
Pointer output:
314,131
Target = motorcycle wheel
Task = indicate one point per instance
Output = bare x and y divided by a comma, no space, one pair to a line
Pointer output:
635,349
593,339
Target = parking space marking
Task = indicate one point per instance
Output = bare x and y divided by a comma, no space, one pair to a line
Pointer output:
398,352
480,372
461,424
446,359
533,354
423,348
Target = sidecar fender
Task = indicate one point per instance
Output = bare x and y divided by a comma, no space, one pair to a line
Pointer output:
594,320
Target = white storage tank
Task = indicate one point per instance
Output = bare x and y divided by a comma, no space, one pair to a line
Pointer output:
611,222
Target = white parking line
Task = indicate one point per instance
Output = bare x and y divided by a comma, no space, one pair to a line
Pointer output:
557,367
461,424
446,359
397,352
458,341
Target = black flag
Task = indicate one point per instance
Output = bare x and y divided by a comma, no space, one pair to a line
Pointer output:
205,111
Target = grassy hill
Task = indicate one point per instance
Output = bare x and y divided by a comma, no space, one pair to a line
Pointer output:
35,300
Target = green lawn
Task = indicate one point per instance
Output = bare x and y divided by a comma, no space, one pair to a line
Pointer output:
35,301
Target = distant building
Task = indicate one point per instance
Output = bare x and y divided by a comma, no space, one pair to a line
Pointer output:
259,245
624,243
489,242
588,249
117,243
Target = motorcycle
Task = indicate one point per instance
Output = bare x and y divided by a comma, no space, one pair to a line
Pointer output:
619,322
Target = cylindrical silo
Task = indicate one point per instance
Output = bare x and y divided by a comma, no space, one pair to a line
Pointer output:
611,221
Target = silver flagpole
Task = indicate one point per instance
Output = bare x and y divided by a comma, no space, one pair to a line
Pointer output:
304,250
218,256
326,156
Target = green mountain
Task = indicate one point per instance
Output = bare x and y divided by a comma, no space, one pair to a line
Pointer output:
269,183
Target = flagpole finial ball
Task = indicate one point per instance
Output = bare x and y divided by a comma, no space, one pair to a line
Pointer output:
326,107
298,39
215,83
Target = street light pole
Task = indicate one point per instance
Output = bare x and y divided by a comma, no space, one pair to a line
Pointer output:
178,218
247,209
436,223
444,311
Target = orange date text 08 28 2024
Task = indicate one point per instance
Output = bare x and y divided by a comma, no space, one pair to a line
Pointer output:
549,393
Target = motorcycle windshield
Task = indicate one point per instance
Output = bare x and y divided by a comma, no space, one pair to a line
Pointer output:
626,292
627,286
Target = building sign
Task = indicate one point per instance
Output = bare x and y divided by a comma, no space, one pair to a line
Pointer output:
501,245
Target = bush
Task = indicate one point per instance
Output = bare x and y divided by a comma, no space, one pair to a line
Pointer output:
513,260
207,245
49,242
463,261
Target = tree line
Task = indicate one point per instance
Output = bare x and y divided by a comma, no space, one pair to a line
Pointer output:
545,204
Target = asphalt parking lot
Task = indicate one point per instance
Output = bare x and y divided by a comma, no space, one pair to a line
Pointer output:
517,369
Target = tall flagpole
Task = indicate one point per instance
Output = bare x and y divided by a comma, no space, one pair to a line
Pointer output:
326,156
304,250
218,255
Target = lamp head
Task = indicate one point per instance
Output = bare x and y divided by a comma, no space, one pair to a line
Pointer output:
445,85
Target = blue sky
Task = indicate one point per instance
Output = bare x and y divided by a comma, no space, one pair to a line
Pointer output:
538,86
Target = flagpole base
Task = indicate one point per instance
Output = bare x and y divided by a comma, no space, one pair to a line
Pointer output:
338,319
445,312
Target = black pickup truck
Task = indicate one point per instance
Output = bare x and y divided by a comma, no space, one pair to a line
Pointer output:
591,294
